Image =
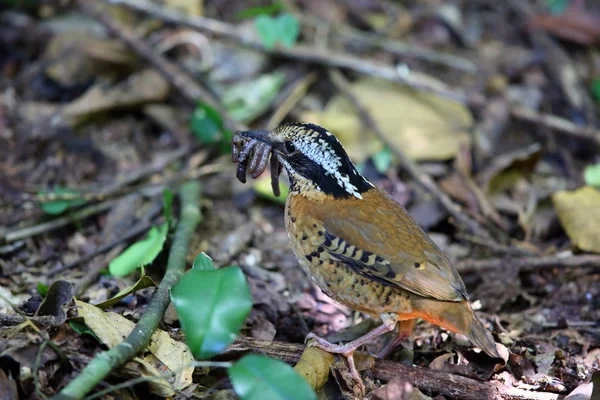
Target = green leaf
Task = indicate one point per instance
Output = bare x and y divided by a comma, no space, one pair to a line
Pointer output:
257,377
288,28
264,10
557,7
206,124
212,307
591,175
383,160
80,327
267,30
596,89
60,206
42,289
140,253
203,262
248,99
168,206
143,283
284,29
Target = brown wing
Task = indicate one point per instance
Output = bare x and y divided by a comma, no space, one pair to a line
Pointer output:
383,242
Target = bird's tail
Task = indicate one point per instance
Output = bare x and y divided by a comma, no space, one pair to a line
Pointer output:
458,317
482,338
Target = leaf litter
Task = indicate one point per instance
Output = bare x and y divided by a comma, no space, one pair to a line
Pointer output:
80,110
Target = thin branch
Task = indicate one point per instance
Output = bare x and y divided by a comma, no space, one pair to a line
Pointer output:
529,263
407,164
442,383
557,124
337,59
57,223
104,363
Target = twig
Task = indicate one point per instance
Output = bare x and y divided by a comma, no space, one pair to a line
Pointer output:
341,60
496,247
57,223
410,166
445,384
104,363
179,79
529,263
16,319
557,124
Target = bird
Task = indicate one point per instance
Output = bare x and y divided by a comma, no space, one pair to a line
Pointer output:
362,248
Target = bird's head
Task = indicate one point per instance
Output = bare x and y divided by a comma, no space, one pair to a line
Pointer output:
314,159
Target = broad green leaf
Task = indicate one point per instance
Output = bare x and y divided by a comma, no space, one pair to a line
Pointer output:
267,30
283,29
206,124
288,28
257,377
203,262
168,206
140,253
143,283
42,289
383,159
212,307
60,206
591,175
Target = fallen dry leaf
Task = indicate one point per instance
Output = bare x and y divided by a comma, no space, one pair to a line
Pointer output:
422,125
145,87
111,328
579,213
314,365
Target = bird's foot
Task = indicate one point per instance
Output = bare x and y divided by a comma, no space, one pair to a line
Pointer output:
346,350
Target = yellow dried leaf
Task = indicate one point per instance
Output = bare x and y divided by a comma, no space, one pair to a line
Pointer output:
111,328
314,365
579,213
422,125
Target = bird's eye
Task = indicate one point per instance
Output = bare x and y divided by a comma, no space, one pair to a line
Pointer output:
289,147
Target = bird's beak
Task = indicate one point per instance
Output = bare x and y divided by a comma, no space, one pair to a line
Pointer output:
260,135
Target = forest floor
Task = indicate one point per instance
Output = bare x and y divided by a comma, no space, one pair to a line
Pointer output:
480,117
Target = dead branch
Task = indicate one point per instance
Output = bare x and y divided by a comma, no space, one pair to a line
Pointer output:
427,380
529,263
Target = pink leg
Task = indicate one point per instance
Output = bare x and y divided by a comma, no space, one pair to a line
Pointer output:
347,350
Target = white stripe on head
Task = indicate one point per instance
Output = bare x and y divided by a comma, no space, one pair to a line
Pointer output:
321,153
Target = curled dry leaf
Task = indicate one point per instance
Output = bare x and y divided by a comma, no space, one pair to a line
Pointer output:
579,213
314,365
